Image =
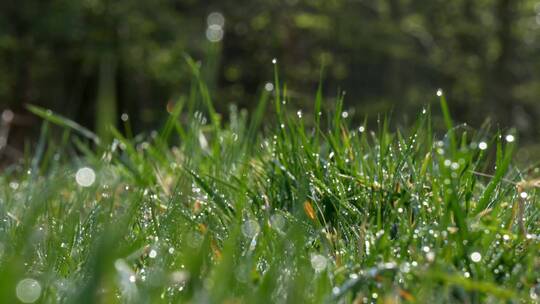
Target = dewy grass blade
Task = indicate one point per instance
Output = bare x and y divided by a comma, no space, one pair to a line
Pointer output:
503,162
448,121
63,122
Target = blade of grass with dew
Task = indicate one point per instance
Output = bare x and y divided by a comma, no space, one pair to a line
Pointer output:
63,121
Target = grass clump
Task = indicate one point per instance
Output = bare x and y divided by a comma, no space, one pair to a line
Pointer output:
314,210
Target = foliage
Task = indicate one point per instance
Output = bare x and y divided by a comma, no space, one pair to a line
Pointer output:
207,211
385,54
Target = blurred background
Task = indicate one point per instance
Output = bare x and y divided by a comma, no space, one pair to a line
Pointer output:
93,60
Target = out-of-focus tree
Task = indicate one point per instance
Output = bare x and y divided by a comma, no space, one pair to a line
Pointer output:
92,59
95,57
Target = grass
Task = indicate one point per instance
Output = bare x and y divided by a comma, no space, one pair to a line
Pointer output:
292,208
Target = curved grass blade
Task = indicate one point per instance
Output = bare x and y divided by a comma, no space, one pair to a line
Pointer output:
62,121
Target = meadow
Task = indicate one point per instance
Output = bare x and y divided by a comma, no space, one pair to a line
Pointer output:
280,205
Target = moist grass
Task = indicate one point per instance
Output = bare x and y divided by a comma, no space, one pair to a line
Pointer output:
281,207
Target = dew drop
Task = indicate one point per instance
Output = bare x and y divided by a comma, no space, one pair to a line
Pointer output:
439,92
250,228
179,276
85,177
215,18
7,116
430,256
214,33
28,290
277,221
510,138
318,262
269,87
533,294
476,257
482,145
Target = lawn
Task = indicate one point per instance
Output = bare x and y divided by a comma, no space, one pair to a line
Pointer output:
278,205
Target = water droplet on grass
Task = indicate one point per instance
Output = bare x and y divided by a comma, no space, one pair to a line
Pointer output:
269,86
215,18
85,177
250,228
318,262
28,290
202,141
7,116
533,292
179,277
476,257
214,33
482,145
439,92
277,221
510,138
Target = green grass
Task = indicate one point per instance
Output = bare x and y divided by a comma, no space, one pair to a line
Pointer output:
268,208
